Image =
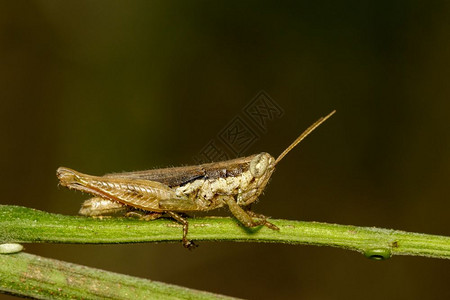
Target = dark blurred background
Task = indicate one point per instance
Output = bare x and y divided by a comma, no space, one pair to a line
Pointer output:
104,86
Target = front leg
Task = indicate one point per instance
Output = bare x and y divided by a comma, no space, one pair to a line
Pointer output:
260,216
245,217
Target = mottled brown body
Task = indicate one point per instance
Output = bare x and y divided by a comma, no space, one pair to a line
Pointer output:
234,183
181,175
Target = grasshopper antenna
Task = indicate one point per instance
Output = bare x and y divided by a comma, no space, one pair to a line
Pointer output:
303,135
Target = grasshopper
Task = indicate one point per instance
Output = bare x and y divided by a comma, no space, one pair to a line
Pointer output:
235,183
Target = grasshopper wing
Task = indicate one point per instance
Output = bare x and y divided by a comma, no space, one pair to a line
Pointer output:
137,193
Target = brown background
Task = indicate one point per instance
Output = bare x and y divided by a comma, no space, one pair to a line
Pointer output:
103,86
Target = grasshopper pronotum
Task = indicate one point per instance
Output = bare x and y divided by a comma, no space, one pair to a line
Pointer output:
235,183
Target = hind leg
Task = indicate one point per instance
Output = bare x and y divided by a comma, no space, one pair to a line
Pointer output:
186,243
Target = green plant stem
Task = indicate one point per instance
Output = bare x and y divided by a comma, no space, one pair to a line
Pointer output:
25,225
43,278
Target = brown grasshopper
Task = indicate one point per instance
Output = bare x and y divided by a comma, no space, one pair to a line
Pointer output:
235,183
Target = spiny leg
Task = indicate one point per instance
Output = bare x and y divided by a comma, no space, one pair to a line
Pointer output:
186,243
246,217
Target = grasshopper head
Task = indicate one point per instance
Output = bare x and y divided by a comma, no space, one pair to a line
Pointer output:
261,164
261,167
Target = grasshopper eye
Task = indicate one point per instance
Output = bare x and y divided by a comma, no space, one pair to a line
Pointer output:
259,164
